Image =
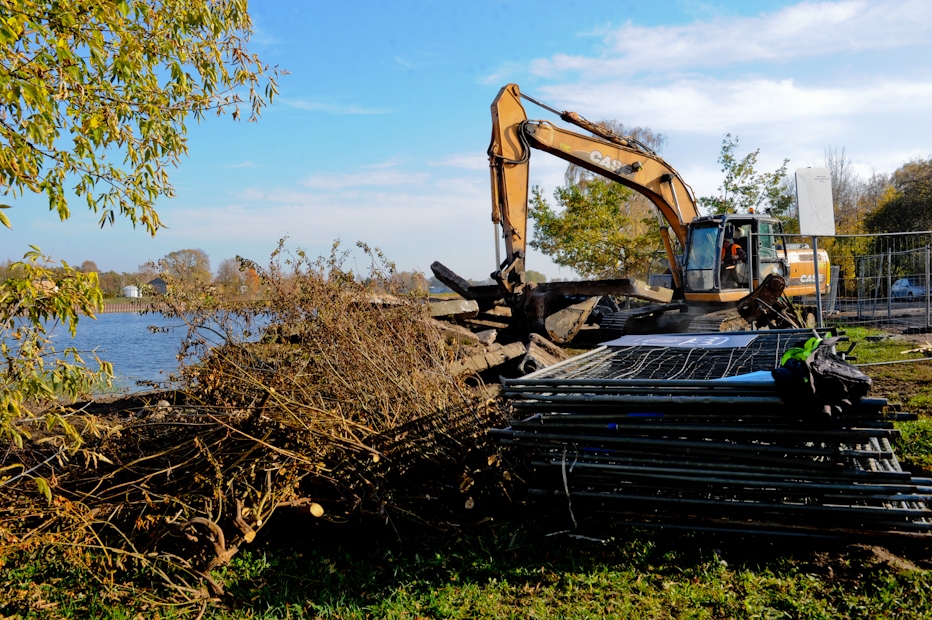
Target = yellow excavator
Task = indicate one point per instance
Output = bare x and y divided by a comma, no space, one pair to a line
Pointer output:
709,285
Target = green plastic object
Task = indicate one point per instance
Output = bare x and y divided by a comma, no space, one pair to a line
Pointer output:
801,353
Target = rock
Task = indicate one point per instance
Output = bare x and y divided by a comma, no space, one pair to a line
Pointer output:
454,308
455,333
487,336
487,324
499,311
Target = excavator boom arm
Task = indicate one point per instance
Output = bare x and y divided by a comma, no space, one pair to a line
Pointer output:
609,156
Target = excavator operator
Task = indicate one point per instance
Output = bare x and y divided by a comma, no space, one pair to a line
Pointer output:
733,261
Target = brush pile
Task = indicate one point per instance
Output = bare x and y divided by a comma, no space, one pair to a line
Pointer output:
333,395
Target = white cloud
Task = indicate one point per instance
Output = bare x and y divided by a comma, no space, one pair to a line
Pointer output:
790,82
245,164
447,222
715,106
330,108
803,30
504,73
468,161
377,176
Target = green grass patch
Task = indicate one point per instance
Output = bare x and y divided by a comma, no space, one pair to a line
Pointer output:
886,350
503,571
915,444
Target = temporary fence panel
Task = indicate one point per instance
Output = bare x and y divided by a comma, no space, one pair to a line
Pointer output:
878,281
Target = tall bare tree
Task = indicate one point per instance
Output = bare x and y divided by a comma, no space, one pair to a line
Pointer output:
847,187
229,277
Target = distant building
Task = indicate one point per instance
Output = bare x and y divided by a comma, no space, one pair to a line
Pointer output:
131,291
159,286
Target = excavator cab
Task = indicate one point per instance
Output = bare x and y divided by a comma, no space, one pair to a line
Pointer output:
729,255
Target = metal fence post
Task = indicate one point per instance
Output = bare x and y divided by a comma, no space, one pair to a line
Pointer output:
889,283
928,305
859,282
818,289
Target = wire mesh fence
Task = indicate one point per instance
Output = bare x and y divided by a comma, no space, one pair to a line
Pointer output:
878,280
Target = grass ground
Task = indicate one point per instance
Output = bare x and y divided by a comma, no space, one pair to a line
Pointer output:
517,571
516,568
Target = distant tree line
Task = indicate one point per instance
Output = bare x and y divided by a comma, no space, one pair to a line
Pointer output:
188,268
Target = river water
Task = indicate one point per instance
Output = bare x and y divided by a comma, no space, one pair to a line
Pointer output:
124,340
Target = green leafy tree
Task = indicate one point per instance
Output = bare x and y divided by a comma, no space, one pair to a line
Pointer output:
187,268
593,232
535,276
906,202
35,374
95,94
744,188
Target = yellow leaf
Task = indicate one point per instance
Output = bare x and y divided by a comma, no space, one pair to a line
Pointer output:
5,221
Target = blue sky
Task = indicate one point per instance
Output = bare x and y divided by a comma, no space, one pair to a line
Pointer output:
381,128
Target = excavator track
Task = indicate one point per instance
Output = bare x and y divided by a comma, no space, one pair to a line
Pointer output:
615,322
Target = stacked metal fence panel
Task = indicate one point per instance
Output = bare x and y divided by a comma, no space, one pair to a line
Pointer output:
647,434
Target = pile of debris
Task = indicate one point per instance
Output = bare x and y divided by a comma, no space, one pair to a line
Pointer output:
689,431
478,335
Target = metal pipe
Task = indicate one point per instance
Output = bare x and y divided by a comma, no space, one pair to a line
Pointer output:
675,268
709,431
915,233
928,291
889,283
650,383
818,287
559,365
810,470
860,284
718,447
737,477
842,511
895,493
921,359
661,420
743,401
